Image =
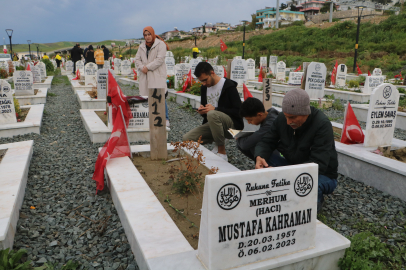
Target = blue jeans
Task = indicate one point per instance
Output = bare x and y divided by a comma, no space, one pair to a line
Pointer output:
326,184
166,111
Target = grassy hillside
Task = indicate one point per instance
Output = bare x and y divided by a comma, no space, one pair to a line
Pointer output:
47,47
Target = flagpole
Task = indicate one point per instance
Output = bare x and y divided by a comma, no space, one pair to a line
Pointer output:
125,128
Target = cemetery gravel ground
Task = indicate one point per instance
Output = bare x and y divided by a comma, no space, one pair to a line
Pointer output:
64,224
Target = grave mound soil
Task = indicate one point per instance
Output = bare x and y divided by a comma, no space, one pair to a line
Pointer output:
23,114
82,83
102,116
2,154
157,176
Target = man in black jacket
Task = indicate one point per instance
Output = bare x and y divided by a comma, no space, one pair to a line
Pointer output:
106,53
76,55
254,112
220,106
303,134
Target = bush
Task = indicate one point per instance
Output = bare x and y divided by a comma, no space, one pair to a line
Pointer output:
20,68
16,105
11,260
49,65
353,83
3,73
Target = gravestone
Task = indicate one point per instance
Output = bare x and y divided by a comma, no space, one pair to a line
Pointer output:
253,216
262,62
193,63
43,69
23,83
11,68
140,115
90,74
16,63
371,82
69,66
250,69
273,60
117,65
81,67
36,74
170,65
126,67
169,54
157,126
281,71
106,65
219,70
102,78
237,57
54,63
239,71
377,72
315,80
212,61
341,75
295,78
181,70
200,59
383,106
7,110
187,59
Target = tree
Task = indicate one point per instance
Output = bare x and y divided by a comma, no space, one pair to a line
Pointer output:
253,23
283,6
326,8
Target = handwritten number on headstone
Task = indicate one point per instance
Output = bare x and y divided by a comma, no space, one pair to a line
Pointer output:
268,96
159,119
156,108
155,96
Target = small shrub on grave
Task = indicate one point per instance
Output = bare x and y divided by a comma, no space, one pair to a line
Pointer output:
132,65
3,73
186,178
10,259
49,65
16,105
337,105
170,81
20,68
314,104
353,84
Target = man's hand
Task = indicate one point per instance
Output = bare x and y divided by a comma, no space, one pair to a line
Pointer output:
144,70
261,163
200,110
206,108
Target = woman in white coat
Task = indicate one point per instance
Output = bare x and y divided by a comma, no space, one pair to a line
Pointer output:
150,61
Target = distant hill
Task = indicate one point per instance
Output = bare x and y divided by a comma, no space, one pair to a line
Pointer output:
49,47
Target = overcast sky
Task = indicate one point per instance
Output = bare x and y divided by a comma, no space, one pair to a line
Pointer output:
46,21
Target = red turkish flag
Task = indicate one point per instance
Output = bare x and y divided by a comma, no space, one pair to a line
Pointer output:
135,75
4,49
28,67
260,75
299,68
118,99
399,76
114,56
187,82
359,70
246,92
117,146
352,132
112,65
77,75
334,74
223,46
225,72
369,73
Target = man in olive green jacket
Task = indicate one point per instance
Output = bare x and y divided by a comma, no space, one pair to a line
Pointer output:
302,134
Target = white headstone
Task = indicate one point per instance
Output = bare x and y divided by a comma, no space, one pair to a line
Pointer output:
295,78
237,57
170,65
43,69
377,72
69,66
181,70
102,79
383,106
371,82
315,80
193,63
251,69
213,61
106,65
81,67
239,71
54,63
219,70
253,216
341,75
7,110
169,54
140,115
36,74
126,67
23,83
281,71
90,74
117,65
273,60
262,61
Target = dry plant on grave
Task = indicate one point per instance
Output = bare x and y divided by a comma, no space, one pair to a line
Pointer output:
92,93
186,178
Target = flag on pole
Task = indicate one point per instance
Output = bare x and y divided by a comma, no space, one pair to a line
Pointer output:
399,76
118,99
352,132
225,72
260,75
359,70
117,146
334,74
4,48
223,46
187,82
246,92
298,69
369,73
77,75
135,75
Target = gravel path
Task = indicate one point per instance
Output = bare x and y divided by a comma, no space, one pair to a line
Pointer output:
65,223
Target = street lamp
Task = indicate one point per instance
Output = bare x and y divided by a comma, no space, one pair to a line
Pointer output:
29,47
360,9
10,34
243,39
38,51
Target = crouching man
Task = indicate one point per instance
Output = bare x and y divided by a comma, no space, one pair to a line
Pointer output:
303,134
220,106
254,112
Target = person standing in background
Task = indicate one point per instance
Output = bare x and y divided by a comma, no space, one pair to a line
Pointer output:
99,56
89,55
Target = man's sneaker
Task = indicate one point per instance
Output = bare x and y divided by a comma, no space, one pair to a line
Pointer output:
167,123
215,148
223,156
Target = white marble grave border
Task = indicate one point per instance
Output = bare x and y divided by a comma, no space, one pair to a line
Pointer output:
46,84
14,173
128,81
78,87
31,124
86,102
39,98
100,133
157,243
